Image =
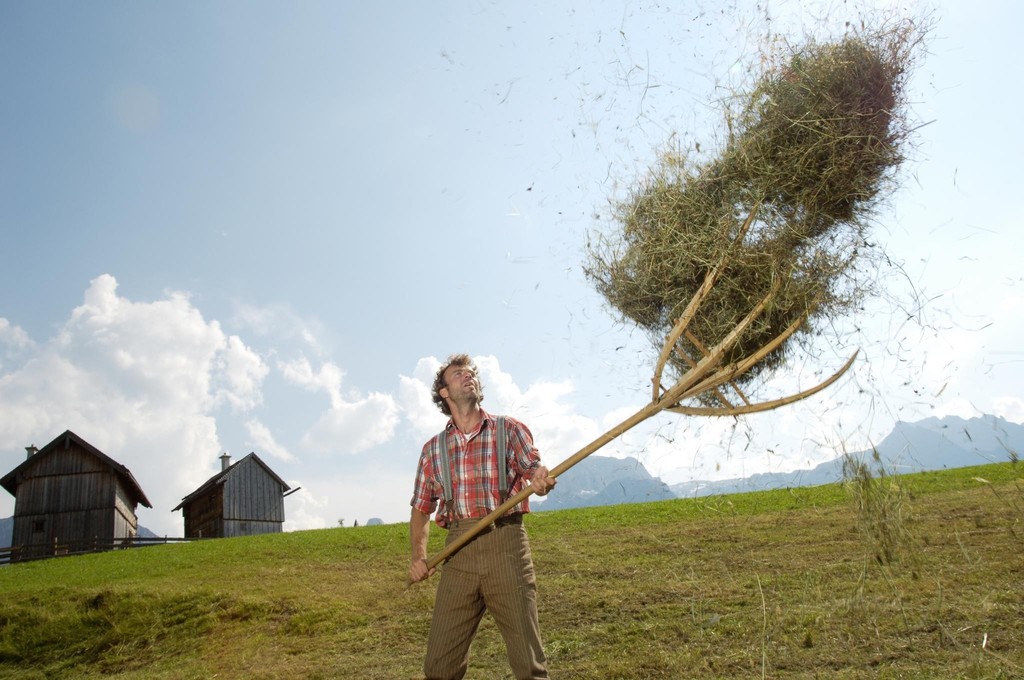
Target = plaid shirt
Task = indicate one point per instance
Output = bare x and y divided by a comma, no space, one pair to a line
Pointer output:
474,470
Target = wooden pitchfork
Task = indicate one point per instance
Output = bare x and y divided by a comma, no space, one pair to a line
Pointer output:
704,375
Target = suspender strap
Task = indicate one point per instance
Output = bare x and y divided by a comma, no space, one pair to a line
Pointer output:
501,446
501,460
446,476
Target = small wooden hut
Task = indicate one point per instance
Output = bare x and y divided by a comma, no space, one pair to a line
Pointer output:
70,497
243,499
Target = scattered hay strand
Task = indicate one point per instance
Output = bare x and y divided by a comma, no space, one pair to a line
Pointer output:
883,510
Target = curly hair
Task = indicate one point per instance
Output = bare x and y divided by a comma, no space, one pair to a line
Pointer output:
435,390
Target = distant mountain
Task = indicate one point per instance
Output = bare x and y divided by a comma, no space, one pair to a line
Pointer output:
143,532
600,480
935,443
929,444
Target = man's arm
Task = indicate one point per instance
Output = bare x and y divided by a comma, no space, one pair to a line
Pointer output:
419,532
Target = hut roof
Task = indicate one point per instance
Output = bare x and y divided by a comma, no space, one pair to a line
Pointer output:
13,478
222,476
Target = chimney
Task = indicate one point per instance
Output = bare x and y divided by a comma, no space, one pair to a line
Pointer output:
225,461
31,451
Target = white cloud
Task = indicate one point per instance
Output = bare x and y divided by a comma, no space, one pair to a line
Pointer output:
241,372
1010,408
138,380
306,510
279,323
329,378
374,491
962,408
145,382
415,400
353,423
13,337
262,440
354,426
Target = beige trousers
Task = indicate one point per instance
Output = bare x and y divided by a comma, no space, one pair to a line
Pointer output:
493,572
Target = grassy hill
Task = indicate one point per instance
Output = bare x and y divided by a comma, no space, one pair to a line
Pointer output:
916,577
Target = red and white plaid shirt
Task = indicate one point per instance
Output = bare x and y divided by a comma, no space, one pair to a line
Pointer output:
474,474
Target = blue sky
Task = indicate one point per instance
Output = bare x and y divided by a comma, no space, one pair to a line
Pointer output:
258,227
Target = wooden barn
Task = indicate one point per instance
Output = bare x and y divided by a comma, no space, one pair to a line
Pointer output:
243,499
70,496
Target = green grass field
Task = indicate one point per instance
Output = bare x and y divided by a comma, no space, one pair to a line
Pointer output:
789,583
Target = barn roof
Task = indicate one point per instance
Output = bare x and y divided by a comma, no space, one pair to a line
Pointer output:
11,480
222,477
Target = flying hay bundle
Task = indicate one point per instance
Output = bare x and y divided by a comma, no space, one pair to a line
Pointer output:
782,212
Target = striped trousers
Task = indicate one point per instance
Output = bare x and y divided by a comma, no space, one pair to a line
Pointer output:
493,572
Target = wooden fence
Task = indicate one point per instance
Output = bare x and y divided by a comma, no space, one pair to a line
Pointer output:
39,551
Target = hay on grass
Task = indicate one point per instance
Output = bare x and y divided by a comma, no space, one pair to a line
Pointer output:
812,148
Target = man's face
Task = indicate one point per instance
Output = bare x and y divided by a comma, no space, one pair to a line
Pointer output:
461,383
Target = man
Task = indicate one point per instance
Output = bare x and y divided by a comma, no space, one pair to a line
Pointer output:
494,571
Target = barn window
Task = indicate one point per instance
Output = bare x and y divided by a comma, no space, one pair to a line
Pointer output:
38,526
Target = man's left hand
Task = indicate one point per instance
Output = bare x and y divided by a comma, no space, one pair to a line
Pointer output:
542,482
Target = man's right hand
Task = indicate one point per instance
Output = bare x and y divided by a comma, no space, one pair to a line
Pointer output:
418,570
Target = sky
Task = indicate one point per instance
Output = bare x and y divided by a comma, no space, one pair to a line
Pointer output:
260,227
